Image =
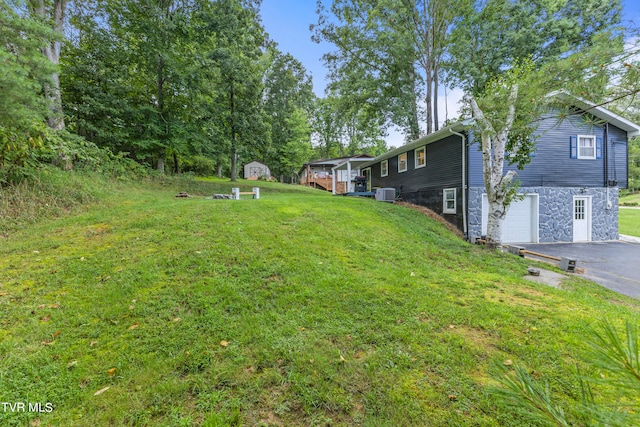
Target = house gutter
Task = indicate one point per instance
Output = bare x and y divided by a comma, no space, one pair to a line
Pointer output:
464,183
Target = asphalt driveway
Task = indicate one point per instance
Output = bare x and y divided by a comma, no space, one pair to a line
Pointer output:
614,265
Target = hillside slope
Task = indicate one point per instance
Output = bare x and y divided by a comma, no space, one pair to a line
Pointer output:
295,309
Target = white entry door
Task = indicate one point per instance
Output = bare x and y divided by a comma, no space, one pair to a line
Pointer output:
581,219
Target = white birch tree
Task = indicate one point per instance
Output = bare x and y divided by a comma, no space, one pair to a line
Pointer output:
505,115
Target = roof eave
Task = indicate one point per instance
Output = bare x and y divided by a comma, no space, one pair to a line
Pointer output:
424,140
600,112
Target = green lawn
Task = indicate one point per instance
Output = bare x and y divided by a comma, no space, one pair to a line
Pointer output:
631,199
298,309
629,222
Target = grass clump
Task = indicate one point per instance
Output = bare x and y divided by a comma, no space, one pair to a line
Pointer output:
295,309
48,192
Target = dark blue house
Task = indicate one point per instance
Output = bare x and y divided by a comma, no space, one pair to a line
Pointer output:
569,189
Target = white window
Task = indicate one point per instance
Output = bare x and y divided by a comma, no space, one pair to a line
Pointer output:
402,162
586,147
420,157
384,168
449,200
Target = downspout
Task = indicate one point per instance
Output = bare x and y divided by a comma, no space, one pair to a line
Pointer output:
605,156
464,183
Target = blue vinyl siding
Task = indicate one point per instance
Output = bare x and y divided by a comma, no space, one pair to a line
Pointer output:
618,156
555,163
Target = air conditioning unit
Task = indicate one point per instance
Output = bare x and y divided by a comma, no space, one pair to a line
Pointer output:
386,194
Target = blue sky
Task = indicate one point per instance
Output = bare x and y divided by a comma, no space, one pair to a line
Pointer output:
287,22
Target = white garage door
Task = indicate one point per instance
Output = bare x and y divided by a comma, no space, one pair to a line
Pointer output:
521,223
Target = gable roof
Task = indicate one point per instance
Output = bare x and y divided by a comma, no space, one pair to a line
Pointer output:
598,111
337,160
255,162
425,140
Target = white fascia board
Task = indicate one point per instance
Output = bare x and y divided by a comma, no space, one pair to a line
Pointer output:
425,140
600,112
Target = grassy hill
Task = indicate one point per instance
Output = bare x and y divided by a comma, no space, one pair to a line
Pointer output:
297,309
632,199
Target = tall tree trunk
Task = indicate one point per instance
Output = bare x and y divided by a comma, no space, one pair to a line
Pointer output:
176,165
414,121
52,52
435,98
429,98
160,110
160,163
234,172
234,161
219,166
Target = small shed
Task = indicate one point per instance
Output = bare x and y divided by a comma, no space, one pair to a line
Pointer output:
255,170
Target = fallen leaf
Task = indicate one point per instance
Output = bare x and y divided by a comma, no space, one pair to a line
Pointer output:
41,306
302,328
48,342
508,362
72,364
349,337
3,294
412,274
56,333
92,343
112,371
177,319
102,390
342,359
45,318
131,307
54,306
533,328
36,423
134,326
36,252
82,258
452,327
452,397
224,343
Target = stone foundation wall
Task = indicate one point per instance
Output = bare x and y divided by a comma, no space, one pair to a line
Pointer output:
556,212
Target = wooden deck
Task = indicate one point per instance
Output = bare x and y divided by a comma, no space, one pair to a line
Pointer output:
324,183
